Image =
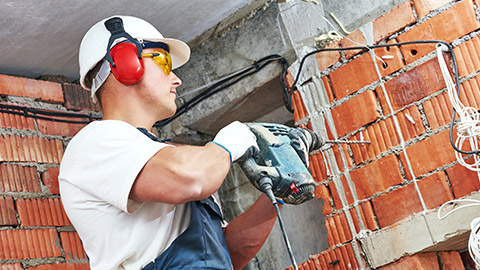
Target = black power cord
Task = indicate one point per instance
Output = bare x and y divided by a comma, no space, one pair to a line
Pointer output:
49,115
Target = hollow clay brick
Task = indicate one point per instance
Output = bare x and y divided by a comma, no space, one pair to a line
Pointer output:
470,92
335,194
30,148
439,149
413,85
367,215
389,59
321,192
42,243
355,39
410,123
328,88
39,90
355,113
438,111
9,120
326,59
11,266
417,261
42,212
62,266
7,211
18,178
468,56
423,7
393,21
50,180
72,246
360,72
59,128
376,176
396,205
463,180
435,190
338,156
78,98
451,260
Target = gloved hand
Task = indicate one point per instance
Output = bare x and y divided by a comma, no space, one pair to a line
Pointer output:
238,140
304,141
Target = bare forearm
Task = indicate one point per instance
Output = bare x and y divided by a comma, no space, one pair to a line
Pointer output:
247,233
193,172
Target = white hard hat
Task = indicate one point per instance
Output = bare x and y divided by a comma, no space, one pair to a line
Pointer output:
93,47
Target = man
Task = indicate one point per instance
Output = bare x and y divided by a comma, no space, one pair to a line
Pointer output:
137,203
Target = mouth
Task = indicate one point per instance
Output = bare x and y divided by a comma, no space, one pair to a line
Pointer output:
173,92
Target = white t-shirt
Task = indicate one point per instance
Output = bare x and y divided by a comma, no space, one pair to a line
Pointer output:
97,172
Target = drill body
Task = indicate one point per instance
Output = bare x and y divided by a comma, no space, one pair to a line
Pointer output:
277,160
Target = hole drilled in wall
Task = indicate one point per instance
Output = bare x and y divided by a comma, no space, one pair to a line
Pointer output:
413,52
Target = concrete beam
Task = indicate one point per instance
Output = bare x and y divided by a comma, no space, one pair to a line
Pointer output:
231,21
420,233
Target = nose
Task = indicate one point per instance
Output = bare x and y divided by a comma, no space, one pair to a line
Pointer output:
175,80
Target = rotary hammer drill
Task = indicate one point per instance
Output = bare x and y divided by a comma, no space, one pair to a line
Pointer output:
278,167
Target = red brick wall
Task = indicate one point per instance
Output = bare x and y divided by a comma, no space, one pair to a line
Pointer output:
383,184
35,232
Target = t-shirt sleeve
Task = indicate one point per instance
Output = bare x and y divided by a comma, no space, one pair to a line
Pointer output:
106,160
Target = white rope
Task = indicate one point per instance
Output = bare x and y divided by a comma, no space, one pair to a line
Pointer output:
468,128
474,242
456,205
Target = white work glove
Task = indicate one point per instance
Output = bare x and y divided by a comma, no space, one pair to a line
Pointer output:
237,139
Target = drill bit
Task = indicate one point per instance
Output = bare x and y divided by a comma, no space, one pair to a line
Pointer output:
346,141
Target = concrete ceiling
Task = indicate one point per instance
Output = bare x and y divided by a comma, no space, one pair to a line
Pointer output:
42,37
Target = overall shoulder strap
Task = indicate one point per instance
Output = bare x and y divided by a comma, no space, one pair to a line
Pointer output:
152,136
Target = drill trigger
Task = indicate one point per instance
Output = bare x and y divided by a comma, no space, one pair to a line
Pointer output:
294,188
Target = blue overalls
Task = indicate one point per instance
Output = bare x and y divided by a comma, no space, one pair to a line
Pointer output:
202,245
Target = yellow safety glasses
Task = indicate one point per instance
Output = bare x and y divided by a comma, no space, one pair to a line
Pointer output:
162,59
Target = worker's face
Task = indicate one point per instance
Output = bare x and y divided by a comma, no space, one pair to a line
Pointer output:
159,88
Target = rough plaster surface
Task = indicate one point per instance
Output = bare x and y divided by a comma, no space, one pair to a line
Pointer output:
355,13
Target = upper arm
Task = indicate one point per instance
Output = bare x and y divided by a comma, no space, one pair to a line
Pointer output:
180,174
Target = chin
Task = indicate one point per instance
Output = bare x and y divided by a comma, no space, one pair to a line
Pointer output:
169,112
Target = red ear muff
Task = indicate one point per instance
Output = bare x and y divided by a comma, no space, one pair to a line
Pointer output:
127,67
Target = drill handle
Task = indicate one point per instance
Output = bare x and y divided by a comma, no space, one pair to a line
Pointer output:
266,185
255,173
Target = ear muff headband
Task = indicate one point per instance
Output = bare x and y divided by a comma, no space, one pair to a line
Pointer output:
125,58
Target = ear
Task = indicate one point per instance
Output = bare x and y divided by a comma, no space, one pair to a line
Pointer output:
128,68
